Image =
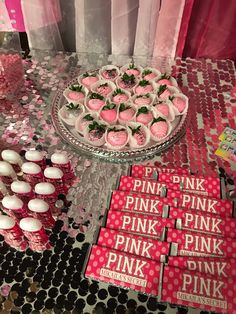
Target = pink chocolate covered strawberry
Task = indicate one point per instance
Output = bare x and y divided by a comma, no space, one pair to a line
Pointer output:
143,99
144,115
148,75
164,79
89,79
179,103
104,89
163,92
143,87
126,81
109,113
117,137
139,136
132,70
126,112
110,74
159,128
83,122
75,93
119,96
95,102
96,133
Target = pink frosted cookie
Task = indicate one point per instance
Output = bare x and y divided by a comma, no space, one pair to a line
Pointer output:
119,96
109,113
143,87
159,128
144,115
126,112
117,137
88,79
95,101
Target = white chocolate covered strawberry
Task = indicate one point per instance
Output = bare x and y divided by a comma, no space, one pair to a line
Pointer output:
104,89
70,112
144,115
119,96
88,79
150,74
83,121
144,99
95,101
75,93
126,112
126,81
109,113
95,133
159,128
117,137
143,87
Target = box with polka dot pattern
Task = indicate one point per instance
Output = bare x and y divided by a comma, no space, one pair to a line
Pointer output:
146,171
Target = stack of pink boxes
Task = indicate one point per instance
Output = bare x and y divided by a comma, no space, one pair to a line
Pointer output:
29,190
169,234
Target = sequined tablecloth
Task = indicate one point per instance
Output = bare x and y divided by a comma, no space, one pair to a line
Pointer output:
51,282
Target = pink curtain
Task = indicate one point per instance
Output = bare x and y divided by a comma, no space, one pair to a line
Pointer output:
212,30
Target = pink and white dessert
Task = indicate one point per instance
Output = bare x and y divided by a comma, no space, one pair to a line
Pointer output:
109,113
120,96
149,74
180,103
164,91
160,128
126,113
75,93
143,99
166,79
83,121
144,87
164,108
144,115
126,81
103,87
95,101
132,69
88,79
117,137
95,133
139,135
109,72
70,112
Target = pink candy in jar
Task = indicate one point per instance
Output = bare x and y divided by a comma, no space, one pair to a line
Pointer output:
23,190
14,207
13,158
12,233
35,233
36,157
62,162
7,173
32,172
40,210
55,176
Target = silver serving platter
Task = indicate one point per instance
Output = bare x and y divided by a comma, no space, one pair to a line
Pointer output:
126,155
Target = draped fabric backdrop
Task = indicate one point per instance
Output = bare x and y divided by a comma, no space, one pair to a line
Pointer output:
166,28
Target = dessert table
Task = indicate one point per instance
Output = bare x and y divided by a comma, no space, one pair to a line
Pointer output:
52,282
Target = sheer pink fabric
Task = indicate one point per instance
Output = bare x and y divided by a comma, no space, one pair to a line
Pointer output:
212,30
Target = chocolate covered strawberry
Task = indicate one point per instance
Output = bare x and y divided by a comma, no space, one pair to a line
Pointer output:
96,133
144,115
110,74
143,99
159,128
164,80
69,113
89,79
132,70
126,112
163,92
119,96
148,75
126,81
143,87
104,89
117,137
95,101
179,103
75,93
109,113
139,135
82,122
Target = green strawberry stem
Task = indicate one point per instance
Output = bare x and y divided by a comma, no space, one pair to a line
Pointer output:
143,96
72,106
86,74
165,76
132,66
146,72
162,88
115,129
143,83
159,119
96,126
118,91
171,98
135,130
88,117
96,96
142,110
76,88
128,78
109,106
103,85
123,107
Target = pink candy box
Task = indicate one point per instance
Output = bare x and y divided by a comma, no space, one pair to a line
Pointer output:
137,245
137,203
207,186
142,186
151,226
186,243
123,269
197,221
145,171
199,290
212,266
219,207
